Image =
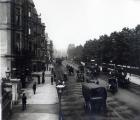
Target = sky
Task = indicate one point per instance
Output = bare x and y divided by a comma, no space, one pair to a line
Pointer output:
76,21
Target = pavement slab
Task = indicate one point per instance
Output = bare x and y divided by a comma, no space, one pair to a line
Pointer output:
35,116
37,108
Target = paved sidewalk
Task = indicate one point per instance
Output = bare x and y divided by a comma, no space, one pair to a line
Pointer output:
41,106
134,78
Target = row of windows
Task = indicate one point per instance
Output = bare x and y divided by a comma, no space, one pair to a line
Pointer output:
19,43
32,26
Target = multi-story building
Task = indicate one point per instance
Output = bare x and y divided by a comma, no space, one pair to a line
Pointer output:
22,36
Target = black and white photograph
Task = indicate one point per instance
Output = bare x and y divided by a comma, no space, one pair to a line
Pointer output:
69,59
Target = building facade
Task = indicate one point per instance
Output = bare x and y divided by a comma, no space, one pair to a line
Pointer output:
23,45
22,37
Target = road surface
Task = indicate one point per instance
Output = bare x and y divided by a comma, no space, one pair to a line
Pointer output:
124,105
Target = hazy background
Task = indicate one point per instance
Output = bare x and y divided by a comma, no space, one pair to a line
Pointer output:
75,21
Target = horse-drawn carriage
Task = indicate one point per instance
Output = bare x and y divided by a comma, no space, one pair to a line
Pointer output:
112,85
95,97
121,75
80,77
123,81
104,68
92,74
81,68
70,69
89,79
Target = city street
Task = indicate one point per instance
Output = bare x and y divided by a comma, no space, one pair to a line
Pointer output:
70,60
124,105
41,106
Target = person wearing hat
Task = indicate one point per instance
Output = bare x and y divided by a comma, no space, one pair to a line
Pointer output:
43,77
34,87
52,79
24,101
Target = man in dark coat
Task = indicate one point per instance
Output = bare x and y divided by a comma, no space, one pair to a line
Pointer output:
54,76
34,87
43,77
52,80
24,101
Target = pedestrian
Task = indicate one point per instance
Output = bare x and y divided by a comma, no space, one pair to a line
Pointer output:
54,76
43,75
24,100
52,71
34,87
52,80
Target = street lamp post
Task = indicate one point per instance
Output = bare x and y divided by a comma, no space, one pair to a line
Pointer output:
60,90
7,91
